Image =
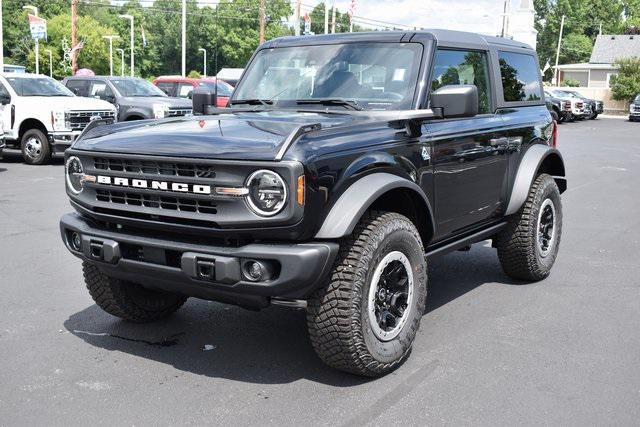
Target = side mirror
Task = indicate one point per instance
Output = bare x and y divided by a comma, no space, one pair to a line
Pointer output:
203,99
456,101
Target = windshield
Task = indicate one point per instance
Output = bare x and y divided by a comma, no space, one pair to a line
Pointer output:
136,87
224,89
637,99
40,86
378,76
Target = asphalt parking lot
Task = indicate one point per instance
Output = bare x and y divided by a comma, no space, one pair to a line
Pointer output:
564,351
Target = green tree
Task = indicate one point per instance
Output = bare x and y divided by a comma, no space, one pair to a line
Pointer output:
575,48
626,85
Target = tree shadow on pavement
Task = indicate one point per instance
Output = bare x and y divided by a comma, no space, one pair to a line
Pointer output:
266,347
15,156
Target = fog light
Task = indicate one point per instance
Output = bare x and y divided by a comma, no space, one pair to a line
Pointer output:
76,241
257,271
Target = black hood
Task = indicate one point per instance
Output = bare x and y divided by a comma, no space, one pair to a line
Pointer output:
232,136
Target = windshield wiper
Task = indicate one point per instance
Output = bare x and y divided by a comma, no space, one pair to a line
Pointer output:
353,105
253,102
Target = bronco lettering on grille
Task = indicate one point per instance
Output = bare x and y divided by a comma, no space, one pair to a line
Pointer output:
155,185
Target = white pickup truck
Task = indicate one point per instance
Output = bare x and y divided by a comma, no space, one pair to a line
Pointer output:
41,117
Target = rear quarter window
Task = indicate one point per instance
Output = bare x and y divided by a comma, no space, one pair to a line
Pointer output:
520,77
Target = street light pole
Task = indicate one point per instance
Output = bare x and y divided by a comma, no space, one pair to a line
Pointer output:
204,60
50,62
110,38
184,38
130,18
121,61
35,13
555,72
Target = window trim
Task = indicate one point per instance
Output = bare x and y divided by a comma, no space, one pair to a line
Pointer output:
506,104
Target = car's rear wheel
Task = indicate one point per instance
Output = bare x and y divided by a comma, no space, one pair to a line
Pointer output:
365,319
35,147
128,300
555,116
528,246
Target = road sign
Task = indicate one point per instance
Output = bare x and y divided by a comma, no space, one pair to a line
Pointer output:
38,27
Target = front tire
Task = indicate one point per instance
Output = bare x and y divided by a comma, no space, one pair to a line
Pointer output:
528,246
35,147
365,320
126,300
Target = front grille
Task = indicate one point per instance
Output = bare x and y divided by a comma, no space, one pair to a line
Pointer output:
154,167
171,203
176,112
579,105
636,108
78,120
567,105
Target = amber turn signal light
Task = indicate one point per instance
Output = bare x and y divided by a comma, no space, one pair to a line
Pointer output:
300,191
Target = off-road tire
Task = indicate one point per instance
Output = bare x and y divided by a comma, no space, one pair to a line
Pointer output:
555,116
593,116
517,243
44,155
127,300
337,316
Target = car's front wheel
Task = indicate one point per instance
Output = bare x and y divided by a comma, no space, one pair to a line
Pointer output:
35,147
365,319
528,246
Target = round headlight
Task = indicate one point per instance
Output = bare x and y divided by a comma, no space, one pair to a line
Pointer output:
75,174
267,192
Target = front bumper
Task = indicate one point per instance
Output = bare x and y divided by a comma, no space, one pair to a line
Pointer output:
175,266
61,140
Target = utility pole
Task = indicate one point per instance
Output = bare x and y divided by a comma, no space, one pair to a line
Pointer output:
184,38
333,18
204,61
74,36
35,13
505,18
110,38
326,16
121,61
130,18
50,62
262,19
1,43
296,19
555,71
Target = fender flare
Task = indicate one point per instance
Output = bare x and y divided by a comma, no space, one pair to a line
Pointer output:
353,203
527,170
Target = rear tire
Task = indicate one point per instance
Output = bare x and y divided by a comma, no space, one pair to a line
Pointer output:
528,246
126,300
366,318
555,116
35,147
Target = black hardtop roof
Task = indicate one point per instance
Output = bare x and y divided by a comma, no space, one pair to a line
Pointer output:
443,37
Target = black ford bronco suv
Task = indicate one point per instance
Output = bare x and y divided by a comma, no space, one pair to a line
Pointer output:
343,165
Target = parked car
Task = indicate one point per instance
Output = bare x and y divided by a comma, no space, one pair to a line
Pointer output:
558,105
634,109
183,87
135,98
41,117
329,191
592,107
573,106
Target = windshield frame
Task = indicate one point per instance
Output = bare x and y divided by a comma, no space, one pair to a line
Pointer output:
19,89
113,81
413,99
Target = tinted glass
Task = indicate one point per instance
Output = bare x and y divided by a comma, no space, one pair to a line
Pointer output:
78,87
457,67
185,89
100,89
374,75
166,87
224,89
520,77
3,90
41,86
136,87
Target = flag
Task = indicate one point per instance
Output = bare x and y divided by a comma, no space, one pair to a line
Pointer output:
546,67
144,39
38,27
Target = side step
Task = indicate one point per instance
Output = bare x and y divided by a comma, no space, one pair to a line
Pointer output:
479,236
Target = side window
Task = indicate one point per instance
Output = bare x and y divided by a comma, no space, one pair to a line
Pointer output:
167,87
520,77
78,87
3,91
185,89
100,89
460,67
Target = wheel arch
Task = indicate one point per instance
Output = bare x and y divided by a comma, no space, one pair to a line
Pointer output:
29,124
538,159
381,191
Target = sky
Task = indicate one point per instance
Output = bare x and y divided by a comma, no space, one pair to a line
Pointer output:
482,16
